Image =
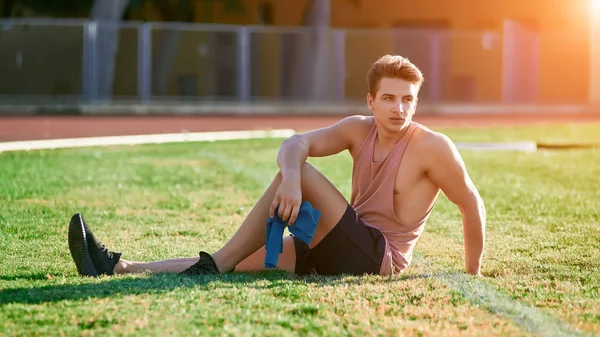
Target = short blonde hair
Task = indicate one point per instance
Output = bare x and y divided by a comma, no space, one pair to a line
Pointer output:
394,66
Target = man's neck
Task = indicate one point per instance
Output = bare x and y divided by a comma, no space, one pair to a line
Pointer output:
386,138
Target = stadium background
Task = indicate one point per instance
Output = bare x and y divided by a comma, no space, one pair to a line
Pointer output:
497,60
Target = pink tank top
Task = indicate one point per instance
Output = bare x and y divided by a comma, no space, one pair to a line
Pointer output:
373,200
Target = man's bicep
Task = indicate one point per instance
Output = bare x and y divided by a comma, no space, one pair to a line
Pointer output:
448,171
333,139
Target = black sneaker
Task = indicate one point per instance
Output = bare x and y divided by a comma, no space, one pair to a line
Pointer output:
79,248
205,266
104,260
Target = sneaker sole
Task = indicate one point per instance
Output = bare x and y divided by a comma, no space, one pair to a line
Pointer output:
78,248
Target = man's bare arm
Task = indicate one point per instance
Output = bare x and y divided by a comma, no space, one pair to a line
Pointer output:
447,170
295,150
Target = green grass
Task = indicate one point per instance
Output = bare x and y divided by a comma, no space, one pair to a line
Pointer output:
551,133
152,202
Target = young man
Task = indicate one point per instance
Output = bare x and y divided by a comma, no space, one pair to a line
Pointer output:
399,168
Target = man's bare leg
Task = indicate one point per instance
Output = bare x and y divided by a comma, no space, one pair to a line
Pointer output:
256,261
250,237
247,244
258,214
165,266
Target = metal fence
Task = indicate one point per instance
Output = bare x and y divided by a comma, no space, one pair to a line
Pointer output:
91,61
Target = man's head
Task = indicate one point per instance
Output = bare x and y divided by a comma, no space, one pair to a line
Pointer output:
394,84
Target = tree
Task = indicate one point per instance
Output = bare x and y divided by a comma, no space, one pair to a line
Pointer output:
310,54
168,44
313,55
170,11
182,11
108,37
107,14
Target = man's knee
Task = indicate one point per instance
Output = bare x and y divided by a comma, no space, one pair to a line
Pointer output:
310,178
308,168
310,174
305,171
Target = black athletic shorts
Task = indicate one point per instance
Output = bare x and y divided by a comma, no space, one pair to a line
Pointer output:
350,248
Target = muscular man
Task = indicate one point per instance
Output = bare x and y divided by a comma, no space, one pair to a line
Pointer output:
399,169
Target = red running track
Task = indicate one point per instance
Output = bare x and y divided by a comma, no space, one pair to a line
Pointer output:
55,127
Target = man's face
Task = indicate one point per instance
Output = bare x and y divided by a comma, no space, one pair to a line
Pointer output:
394,104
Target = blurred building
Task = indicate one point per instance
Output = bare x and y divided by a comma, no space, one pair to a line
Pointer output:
474,61
461,46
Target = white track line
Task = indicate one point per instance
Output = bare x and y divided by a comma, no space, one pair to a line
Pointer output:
528,317
512,146
212,136
143,139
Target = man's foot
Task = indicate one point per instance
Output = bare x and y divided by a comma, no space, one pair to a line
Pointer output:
205,266
103,260
79,248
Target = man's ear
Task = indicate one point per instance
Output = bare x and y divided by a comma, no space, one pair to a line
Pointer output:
370,101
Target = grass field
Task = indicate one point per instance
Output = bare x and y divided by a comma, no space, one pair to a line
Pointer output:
541,267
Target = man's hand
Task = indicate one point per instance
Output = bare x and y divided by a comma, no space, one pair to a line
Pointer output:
289,199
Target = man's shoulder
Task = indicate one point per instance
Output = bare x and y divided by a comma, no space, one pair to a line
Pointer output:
432,142
357,125
355,130
359,120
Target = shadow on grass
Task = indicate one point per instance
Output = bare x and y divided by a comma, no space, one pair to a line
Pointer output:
161,283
